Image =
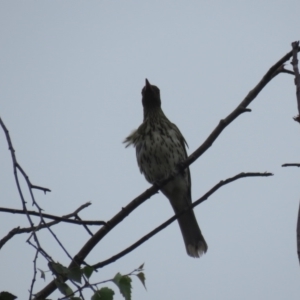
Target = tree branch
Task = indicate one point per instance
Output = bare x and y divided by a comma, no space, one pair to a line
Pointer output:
291,165
241,108
294,63
17,167
176,216
298,234
53,217
57,219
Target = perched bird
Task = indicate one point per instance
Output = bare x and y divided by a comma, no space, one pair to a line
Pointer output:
160,146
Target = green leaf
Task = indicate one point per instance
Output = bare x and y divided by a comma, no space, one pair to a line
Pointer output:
142,278
7,296
75,298
74,274
124,284
141,267
87,271
58,269
117,279
63,287
125,287
104,293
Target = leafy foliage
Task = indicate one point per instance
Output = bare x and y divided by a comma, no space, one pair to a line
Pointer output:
124,284
104,293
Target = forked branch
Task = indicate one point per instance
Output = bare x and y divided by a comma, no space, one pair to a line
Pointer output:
241,108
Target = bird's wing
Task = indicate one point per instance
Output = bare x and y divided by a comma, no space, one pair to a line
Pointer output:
184,144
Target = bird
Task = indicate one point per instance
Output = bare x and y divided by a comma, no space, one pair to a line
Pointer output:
160,147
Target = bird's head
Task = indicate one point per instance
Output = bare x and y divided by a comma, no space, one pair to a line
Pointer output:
150,96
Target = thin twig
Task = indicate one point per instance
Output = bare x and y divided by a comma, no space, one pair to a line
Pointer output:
85,225
291,165
34,272
294,63
30,185
298,234
17,167
53,217
65,218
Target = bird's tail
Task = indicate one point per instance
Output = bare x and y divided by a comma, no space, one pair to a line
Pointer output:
194,241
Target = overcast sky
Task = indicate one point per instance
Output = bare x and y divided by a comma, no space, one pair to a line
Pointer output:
71,74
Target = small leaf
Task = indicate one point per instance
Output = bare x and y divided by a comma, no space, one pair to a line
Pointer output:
7,296
141,267
125,287
63,287
74,274
142,278
117,278
58,269
124,284
88,271
43,275
104,293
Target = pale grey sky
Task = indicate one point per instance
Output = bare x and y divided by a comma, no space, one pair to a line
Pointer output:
71,73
